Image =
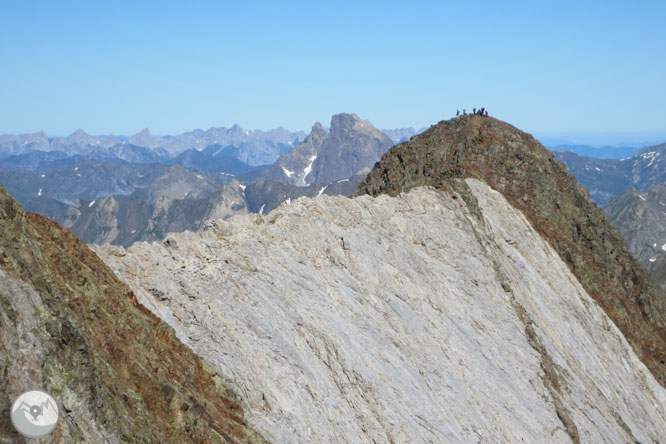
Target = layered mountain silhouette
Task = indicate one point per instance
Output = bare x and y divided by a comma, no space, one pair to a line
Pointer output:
253,147
69,326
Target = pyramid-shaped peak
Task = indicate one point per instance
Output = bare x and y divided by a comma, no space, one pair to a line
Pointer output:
79,133
515,164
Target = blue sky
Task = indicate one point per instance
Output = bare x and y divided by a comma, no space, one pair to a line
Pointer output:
117,67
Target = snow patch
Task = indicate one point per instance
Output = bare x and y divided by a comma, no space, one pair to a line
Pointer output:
91,204
76,168
287,172
663,247
242,187
199,176
43,175
40,192
652,259
308,169
322,190
261,210
133,231
642,197
597,168
343,180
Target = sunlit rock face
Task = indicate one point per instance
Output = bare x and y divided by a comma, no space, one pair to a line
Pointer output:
432,316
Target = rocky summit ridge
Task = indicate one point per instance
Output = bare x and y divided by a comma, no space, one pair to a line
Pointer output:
431,316
69,326
532,180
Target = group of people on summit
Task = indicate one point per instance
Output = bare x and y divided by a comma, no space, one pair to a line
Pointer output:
480,112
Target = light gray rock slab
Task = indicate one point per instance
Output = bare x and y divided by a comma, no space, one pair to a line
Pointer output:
406,319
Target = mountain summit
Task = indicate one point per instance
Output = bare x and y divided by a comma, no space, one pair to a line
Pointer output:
350,148
518,166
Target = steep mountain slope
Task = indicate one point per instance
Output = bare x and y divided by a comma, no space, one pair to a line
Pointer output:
350,148
606,178
295,167
120,374
640,216
515,164
39,161
602,178
657,271
125,221
88,181
429,317
201,161
176,182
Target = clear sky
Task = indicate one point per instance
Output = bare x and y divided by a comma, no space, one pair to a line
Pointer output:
117,66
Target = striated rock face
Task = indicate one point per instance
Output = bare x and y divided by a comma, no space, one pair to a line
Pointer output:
69,326
433,316
515,164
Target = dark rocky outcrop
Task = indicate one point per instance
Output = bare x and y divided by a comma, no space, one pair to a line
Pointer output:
528,175
68,325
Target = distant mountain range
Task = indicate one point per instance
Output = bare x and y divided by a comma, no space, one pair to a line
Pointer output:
606,178
603,152
122,192
254,147
640,216
399,135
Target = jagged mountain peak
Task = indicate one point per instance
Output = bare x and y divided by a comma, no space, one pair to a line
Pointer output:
317,134
518,166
